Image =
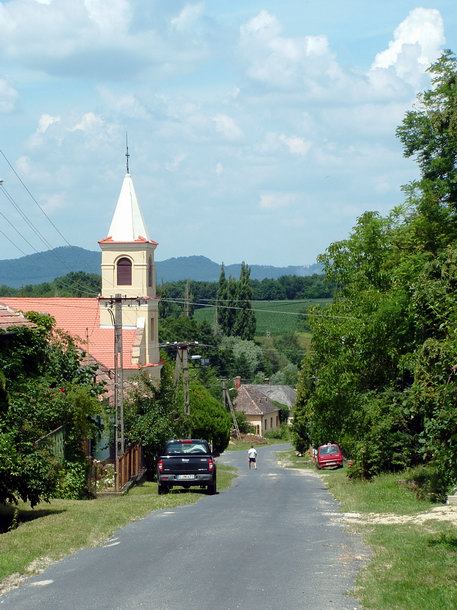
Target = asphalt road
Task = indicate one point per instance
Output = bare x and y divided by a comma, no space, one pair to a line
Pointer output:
271,542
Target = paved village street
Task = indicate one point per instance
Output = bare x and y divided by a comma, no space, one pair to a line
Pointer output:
272,541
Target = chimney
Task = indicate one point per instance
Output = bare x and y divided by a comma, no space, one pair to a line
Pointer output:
237,382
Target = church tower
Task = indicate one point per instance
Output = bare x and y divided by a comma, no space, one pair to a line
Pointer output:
128,269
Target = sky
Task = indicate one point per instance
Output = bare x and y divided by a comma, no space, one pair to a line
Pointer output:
258,130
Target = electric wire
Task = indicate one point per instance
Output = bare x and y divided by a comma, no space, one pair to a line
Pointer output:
83,288
24,217
12,242
18,232
33,198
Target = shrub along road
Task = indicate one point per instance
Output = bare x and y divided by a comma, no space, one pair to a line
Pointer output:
270,542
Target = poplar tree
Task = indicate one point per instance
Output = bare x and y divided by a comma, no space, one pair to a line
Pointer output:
222,298
245,323
232,306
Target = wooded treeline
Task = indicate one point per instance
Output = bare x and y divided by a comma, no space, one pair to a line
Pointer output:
81,284
382,376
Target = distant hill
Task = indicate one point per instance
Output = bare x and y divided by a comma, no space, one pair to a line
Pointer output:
46,266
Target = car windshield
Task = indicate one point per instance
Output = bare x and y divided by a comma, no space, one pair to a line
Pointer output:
193,447
329,450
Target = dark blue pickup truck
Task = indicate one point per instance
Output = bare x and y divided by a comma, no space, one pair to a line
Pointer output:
186,462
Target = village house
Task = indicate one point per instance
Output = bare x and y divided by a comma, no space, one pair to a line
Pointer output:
260,411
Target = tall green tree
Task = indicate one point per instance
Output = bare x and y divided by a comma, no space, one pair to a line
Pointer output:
222,301
245,323
381,377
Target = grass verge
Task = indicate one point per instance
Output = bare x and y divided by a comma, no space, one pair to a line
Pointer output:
55,529
413,566
244,445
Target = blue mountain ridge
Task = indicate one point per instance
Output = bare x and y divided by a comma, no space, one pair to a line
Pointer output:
46,266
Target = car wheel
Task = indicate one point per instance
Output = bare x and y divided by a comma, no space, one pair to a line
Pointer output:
162,489
212,488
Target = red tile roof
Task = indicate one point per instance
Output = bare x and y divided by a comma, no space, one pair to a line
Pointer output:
80,318
10,318
140,239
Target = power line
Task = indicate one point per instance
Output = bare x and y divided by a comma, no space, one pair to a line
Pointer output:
10,240
17,231
82,287
24,217
33,198
287,313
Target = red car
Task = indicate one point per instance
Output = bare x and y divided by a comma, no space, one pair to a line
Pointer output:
329,456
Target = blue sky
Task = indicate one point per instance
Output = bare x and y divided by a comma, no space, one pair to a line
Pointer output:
258,130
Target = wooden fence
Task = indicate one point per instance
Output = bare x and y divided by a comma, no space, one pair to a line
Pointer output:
55,442
129,466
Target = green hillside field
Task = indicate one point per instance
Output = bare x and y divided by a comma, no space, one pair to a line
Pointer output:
273,317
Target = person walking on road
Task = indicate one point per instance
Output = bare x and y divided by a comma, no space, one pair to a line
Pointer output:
252,457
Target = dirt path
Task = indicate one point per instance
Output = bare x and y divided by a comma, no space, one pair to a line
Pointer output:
446,513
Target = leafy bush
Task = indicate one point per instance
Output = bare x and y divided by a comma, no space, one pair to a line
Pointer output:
208,418
282,433
426,483
243,424
72,481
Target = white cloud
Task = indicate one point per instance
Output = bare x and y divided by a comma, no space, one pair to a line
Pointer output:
110,18
417,43
294,144
227,127
96,38
53,202
8,97
286,62
127,105
89,122
187,17
23,165
276,201
219,169
45,122
176,162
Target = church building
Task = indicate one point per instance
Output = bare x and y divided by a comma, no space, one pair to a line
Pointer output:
128,276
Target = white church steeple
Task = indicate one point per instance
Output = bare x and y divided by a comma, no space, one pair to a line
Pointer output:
128,269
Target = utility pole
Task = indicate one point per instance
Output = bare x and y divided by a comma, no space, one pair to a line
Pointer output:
116,317
182,366
187,299
228,403
118,378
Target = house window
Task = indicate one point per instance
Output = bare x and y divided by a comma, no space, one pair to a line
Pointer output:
265,424
124,272
152,329
271,423
257,430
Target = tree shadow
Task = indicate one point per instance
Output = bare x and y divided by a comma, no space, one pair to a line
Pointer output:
190,490
12,517
446,540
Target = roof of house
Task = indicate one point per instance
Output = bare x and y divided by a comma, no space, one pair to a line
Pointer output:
253,402
10,318
284,394
80,318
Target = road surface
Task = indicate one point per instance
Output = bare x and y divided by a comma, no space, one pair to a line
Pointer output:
271,542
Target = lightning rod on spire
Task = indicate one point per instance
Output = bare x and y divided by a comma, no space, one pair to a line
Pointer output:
127,151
